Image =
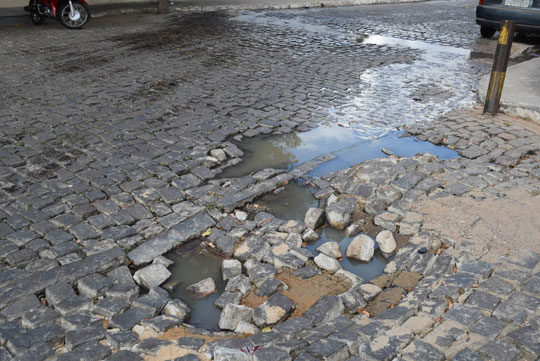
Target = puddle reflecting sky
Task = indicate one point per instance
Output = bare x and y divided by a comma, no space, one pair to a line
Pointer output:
290,150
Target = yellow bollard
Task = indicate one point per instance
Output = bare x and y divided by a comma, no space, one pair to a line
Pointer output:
500,63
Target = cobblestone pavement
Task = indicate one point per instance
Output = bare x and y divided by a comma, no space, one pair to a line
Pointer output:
111,139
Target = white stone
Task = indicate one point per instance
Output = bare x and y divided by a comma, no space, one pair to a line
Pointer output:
362,248
327,263
163,260
314,218
230,354
386,241
230,268
369,291
219,154
139,330
241,215
330,249
152,276
310,235
233,314
246,328
202,288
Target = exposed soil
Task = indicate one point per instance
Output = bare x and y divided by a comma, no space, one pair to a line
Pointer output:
304,293
172,352
493,229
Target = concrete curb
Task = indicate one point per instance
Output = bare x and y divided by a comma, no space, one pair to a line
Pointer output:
521,92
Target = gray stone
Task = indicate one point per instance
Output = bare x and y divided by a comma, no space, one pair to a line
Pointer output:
122,339
489,327
229,354
527,337
464,314
20,307
189,357
38,317
110,307
231,315
202,288
483,301
467,355
273,310
59,292
329,350
74,305
239,283
230,268
124,355
306,272
499,350
314,218
75,338
516,306
226,298
151,346
192,343
162,323
339,213
420,350
382,348
291,327
177,308
325,309
153,301
152,276
182,232
90,351
271,353
362,247
130,318
94,285
268,287
483,269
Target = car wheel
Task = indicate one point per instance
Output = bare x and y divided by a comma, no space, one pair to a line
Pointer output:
487,32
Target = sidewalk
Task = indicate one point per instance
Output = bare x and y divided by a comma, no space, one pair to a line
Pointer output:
521,92
18,16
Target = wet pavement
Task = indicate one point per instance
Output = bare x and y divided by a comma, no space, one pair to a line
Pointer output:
123,141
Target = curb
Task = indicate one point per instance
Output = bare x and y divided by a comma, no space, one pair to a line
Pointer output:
517,74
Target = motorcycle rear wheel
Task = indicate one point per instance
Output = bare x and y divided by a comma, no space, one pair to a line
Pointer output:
35,16
64,19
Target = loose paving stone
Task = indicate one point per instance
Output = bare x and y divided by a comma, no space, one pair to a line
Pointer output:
273,310
192,343
122,339
129,318
419,350
94,285
151,346
329,350
77,337
271,353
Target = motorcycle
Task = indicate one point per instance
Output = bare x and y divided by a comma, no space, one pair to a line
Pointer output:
73,14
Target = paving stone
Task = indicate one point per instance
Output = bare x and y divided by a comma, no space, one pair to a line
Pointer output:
271,353
94,285
467,355
526,337
52,335
329,350
482,269
489,327
122,339
499,350
129,318
124,355
293,326
20,307
110,307
90,351
33,318
497,285
420,350
273,310
78,320
381,348
75,338
192,343
464,314
325,309
483,301
74,305
516,306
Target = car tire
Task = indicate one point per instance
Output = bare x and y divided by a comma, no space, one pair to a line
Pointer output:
487,32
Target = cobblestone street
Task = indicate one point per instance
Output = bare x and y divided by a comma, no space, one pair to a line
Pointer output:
113,138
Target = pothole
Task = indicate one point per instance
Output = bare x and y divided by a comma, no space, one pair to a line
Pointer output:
191,267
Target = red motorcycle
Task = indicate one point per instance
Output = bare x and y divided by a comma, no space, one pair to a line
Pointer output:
73,14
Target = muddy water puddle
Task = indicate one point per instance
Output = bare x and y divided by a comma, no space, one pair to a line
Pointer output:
347,145
291,202
190,267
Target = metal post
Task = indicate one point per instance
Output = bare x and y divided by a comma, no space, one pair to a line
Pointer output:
162,6
500,63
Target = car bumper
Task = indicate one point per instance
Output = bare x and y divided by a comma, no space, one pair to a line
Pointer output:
526,19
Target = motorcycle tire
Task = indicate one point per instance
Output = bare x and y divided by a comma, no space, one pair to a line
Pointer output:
35,16
64,19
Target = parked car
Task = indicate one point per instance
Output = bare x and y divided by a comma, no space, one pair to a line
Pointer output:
525,13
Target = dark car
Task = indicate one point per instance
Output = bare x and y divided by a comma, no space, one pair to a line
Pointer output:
525,13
